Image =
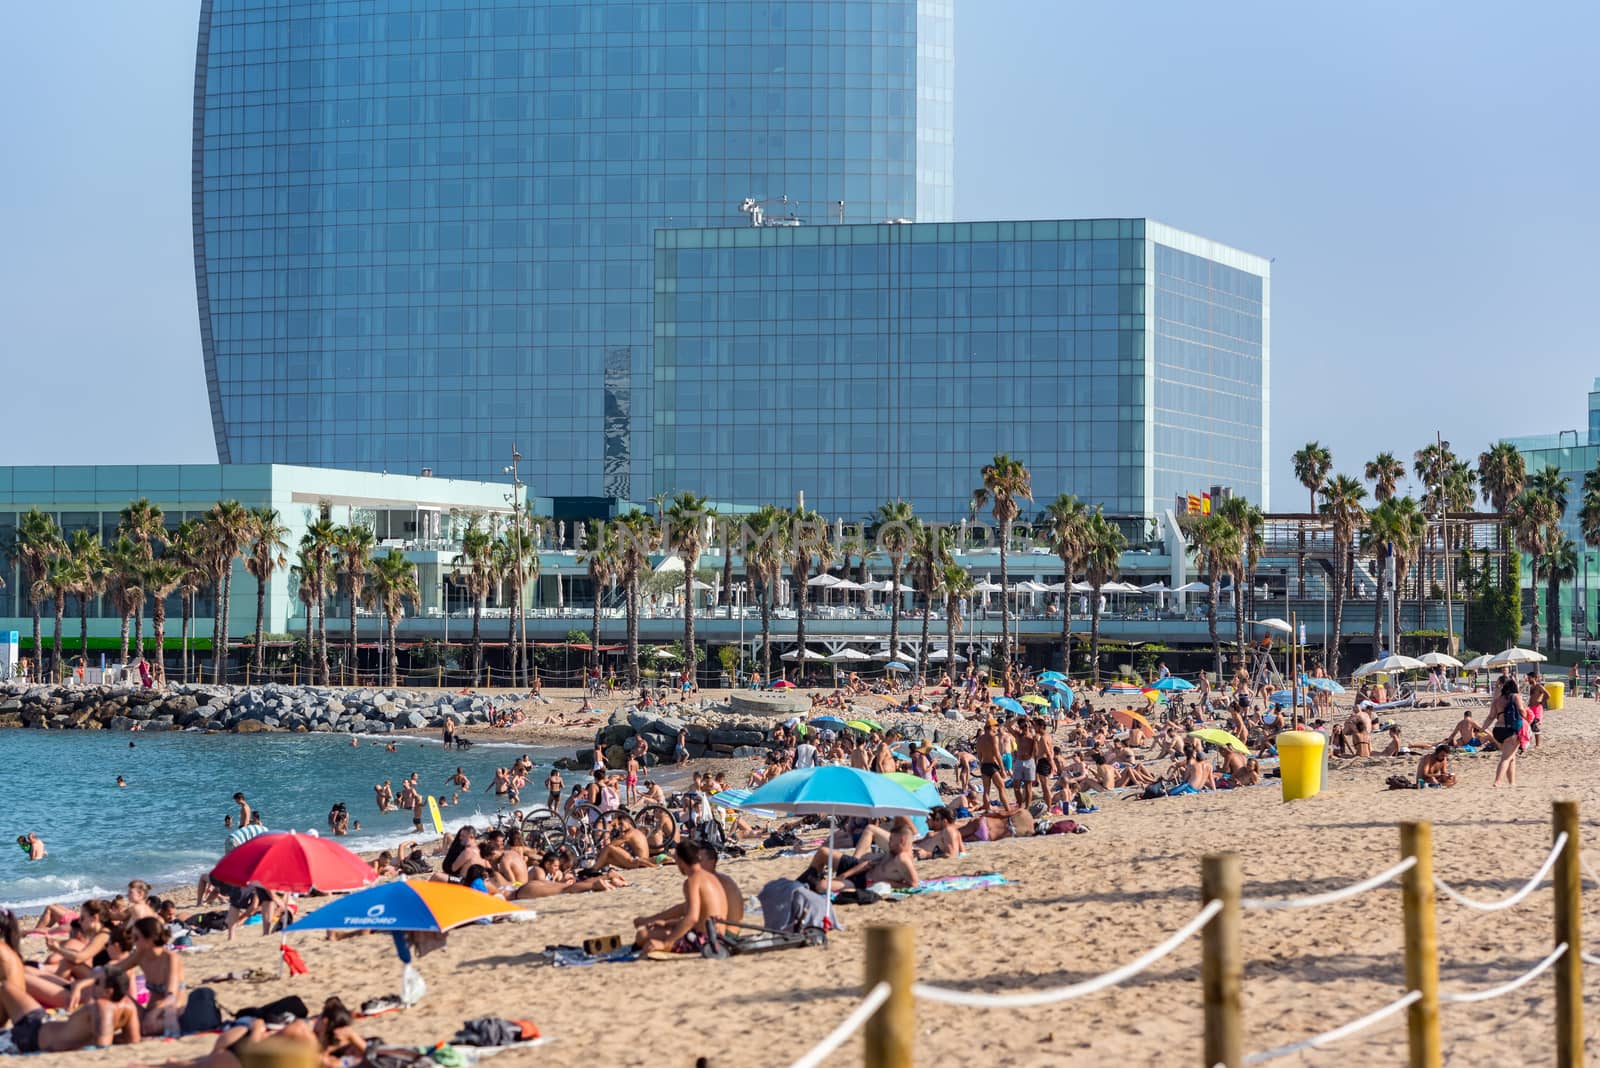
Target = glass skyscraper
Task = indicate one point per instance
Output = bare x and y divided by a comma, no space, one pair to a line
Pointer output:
426,231
1122,360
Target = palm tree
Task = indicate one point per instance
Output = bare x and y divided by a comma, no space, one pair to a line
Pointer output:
354,545
186,546
125,571
1066,526
1535,520
302,577
393,583
769,527
686,535
59,579
807,542
1502,474
1412,528
1549,481
895,520
141,521
930,550
1006,484
1560,565
1341,503
34,544
1216,544
474,566
161,578
268,552
518,560
600,556
1394,529
1248,521
90,557
1104,543
1384,471
727,527
636,540
1312,463
318,543
228,528
957,586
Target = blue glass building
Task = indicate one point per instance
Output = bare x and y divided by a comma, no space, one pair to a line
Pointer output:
425,231
1122,360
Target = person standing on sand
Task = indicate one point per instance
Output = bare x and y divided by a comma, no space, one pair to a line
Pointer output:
989,763
1506,715
1538,697
449,731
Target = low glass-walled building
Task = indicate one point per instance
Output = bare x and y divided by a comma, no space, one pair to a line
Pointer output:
1120,359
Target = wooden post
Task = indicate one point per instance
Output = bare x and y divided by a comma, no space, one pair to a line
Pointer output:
280,1052
1569,907
247,673
440,681
1222,963
889,1032
294,674
1422,946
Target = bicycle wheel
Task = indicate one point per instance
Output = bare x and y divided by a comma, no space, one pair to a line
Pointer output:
660,827
544,831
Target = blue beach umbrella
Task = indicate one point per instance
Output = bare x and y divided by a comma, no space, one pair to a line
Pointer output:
405,906
737,799
895,665
834,791
828,723
1059,686
1325,684
1009,704
1052,676
1173,684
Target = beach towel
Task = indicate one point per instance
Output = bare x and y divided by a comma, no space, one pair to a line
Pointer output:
953,883
575,957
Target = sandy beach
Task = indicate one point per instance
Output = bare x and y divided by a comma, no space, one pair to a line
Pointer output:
1074,906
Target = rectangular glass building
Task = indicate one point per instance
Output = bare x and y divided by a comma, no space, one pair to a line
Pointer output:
1122,360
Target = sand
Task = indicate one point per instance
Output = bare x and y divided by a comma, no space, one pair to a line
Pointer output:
1077,905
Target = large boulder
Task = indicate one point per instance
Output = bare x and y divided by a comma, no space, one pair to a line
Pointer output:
251,726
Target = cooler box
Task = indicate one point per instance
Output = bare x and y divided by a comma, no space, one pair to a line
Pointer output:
1300,762
1558,695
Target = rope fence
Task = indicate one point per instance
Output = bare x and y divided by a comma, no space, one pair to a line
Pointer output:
890,963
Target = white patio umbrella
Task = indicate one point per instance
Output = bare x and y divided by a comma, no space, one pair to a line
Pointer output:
987,587
1274,623
1156,587
823,579
939,656
1193,587
1120,587
848,656
1439,660
1082,587
1389,663
1514,656
812,656
845,584
1478,663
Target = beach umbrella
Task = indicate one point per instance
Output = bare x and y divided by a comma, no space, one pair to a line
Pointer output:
664,653
861,725
833,791
783,684
1052,676
829,723
939,656
1156,587
737,799
295,864
421,905
1393,663
811,656
1330,685
1123,690
1173,684
987,587
1439,660
1287,697
848,655
1193,587
1034,699
1513,656
1128,717
938,752
823,579
1280,625
1479,663
1059,685
1082,587
1009,704
895,665
1221,738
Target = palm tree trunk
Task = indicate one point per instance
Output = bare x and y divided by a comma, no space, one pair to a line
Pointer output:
766,630
726,593
688,619
1094,633
83,628
158,627
1211,621
261,622
1238,625
355,664
220,640
183,656
633,630
127,619
55,642
322,626
477,641
1552,611
1533,617
394,649
801,593
927,616
1338,612
950,643
1005,608
511,639
594,631
1377,607
38,645
138,628
1066,624
897,569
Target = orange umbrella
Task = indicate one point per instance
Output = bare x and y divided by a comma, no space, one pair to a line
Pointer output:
1129,717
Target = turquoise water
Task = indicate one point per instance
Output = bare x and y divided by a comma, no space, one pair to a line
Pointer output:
166,825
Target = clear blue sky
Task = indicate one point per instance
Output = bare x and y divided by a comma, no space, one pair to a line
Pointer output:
1423,173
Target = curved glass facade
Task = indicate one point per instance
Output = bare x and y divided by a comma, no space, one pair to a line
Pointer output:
426,232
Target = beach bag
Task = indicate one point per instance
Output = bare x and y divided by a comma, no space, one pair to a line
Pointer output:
273,1010
1153,791
201,1013
415,865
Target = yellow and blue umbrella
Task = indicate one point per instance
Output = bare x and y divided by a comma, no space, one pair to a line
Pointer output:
1034,699
406,906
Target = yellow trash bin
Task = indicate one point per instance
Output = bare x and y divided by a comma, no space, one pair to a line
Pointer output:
1300,761
1558,695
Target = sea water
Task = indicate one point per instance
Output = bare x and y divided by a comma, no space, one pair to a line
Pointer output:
166,825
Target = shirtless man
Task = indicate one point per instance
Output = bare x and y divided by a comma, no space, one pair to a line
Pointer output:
1434,768
628,847
897,866
1198,774
708,861
1024,771
381,793
244,810
108,1016
460,781
1465,732
32,845
553,785
943,838
989,766
703,899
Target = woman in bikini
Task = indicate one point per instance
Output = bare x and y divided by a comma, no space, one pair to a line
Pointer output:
1507,716
163,974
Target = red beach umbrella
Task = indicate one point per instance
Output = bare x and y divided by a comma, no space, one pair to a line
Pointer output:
295,864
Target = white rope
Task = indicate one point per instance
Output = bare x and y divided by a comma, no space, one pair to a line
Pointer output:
847,1027
1584,861
1516,898
1269,903
1505,988
1588,958
1066,993
1329,1037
